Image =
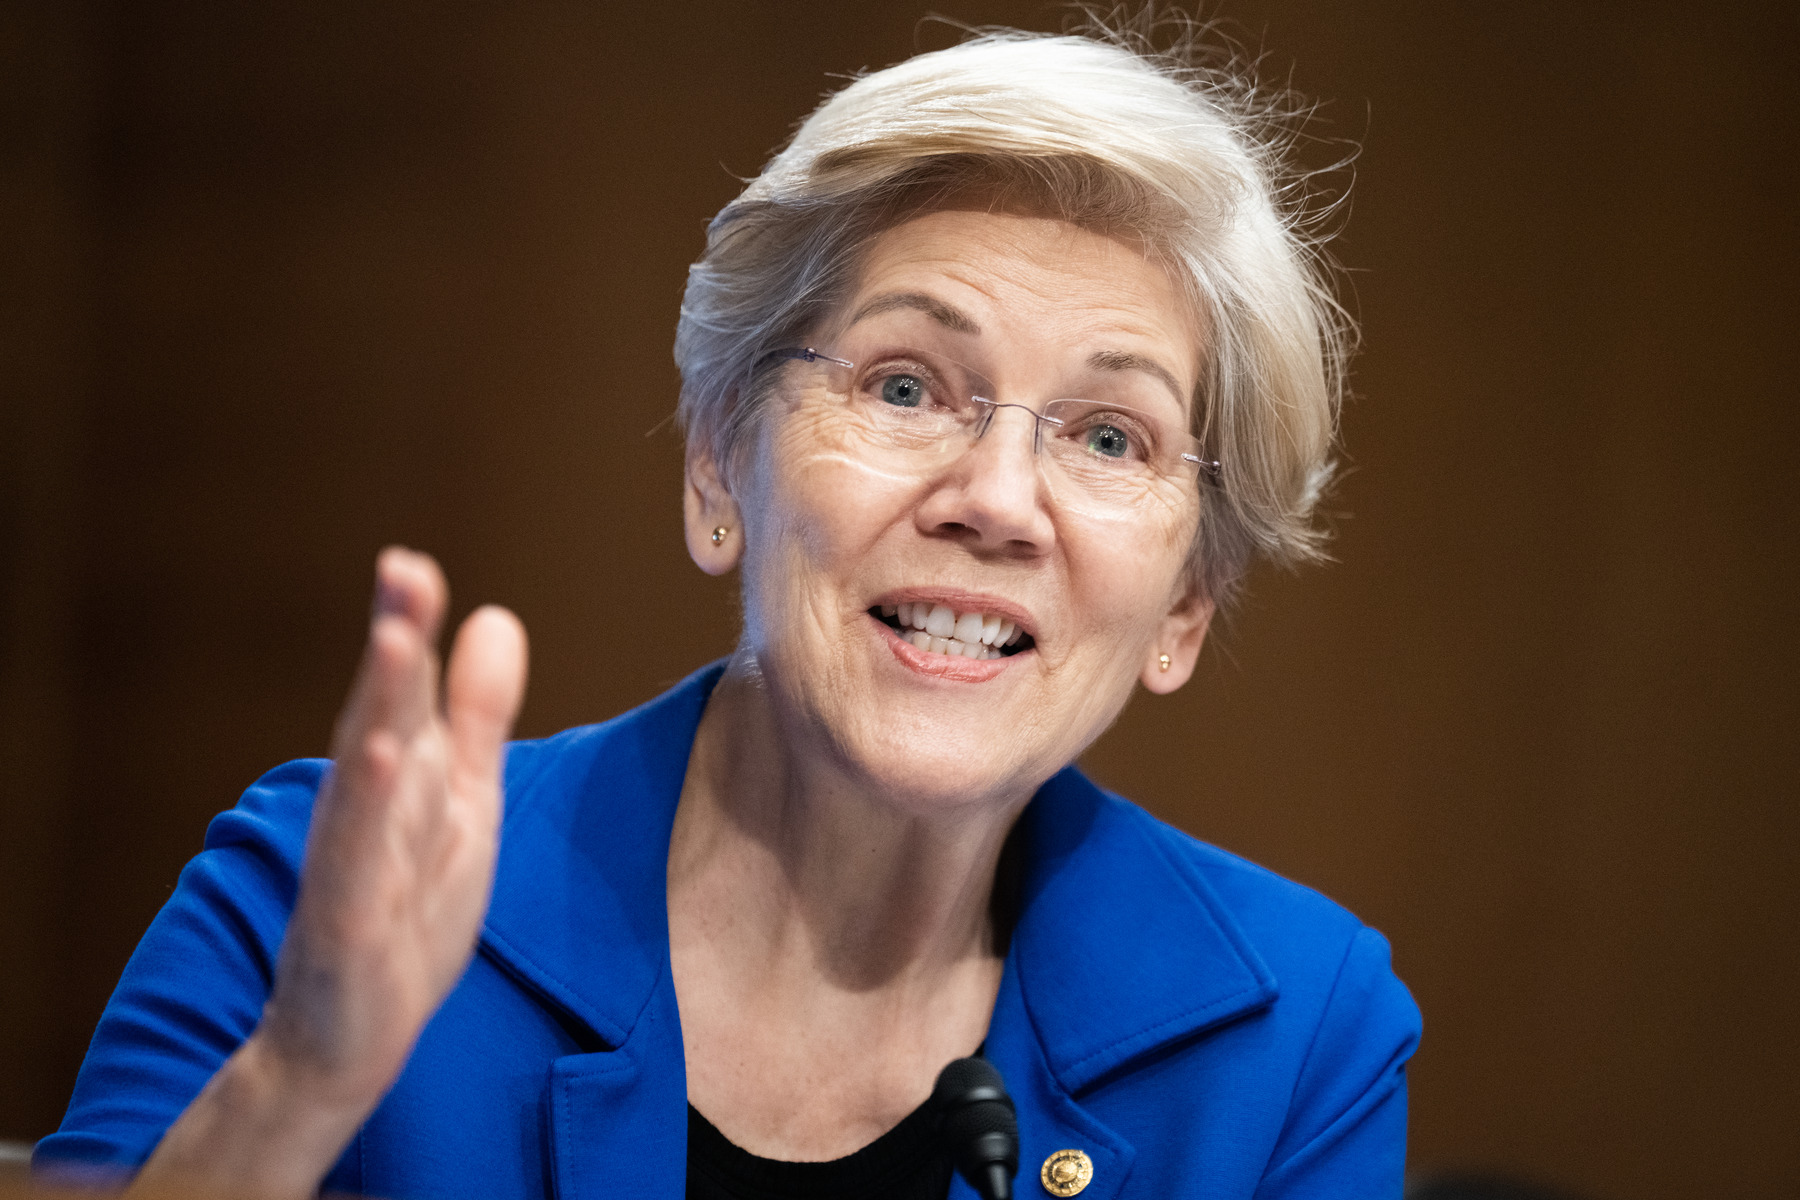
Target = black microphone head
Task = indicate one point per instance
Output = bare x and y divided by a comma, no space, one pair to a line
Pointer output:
979,1126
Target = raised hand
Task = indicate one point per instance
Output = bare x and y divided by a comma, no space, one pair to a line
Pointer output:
399,864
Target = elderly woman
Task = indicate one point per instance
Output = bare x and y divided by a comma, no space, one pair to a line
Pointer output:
995,381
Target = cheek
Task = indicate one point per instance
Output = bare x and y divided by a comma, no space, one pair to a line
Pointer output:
1128,578
812,519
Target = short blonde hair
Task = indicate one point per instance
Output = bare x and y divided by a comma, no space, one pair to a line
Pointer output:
1094,128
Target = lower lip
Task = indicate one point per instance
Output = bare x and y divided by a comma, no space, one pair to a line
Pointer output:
943,666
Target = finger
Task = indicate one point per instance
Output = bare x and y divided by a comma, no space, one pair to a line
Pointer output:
396,679
393,696
413,584
364,791
410,584
485,684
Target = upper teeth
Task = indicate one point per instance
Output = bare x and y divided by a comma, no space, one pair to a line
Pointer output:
942,630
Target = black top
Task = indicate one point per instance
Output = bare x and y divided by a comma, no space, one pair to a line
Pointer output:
905,1163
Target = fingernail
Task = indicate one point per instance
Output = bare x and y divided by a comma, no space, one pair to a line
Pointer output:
388,599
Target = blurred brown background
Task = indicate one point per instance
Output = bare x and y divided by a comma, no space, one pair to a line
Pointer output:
283,283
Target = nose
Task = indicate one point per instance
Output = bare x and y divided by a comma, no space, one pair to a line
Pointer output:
993,493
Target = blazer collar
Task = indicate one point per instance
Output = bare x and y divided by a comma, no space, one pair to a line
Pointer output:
1120,947
580,905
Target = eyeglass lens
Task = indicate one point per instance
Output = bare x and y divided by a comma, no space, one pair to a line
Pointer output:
1120,451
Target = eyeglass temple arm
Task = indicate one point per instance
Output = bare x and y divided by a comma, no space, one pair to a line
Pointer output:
806,355
1209,465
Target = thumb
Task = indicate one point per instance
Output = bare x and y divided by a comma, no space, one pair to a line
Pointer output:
483,687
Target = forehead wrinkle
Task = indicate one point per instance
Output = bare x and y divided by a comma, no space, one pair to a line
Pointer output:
944,313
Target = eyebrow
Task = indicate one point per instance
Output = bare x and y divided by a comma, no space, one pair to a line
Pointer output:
954,319
947,315
1125,360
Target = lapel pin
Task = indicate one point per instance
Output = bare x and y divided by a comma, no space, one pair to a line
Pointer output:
1066,1172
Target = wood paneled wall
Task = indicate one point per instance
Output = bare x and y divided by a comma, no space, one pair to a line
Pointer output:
284,283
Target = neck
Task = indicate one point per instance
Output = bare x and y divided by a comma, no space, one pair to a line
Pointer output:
809,866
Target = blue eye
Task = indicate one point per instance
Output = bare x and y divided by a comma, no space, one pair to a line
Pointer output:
902,391
1108,440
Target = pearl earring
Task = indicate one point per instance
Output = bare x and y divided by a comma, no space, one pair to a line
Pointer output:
719,535
1162,662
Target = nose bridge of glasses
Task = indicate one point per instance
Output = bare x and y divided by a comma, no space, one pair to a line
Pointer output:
990,408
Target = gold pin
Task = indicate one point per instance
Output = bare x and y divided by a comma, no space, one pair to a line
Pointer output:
719,539
1066,1172
1162,662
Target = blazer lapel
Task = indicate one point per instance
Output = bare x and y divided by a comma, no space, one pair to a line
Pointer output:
1049,1119
618,1120
1119,951
580,917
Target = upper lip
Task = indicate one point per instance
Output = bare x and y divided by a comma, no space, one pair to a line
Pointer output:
964,602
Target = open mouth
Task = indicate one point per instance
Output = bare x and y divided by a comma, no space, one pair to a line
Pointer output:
940,629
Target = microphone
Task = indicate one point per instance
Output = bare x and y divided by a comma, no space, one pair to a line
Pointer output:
979,1126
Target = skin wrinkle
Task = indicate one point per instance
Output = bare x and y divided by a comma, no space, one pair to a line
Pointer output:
947,315
842,818
781,831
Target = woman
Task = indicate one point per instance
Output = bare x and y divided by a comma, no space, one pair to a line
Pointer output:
994,382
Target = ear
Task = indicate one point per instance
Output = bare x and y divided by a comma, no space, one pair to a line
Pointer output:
707,507
1179,635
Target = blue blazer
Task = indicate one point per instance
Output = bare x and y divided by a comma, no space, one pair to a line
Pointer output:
1197,1025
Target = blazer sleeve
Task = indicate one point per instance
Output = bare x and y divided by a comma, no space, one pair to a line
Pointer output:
195,987
1345,1135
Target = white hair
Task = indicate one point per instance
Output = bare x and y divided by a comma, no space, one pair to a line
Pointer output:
1181,158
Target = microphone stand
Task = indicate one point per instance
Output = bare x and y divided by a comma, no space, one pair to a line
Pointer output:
978,1126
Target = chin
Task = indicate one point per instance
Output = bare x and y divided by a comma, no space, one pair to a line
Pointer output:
928,771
